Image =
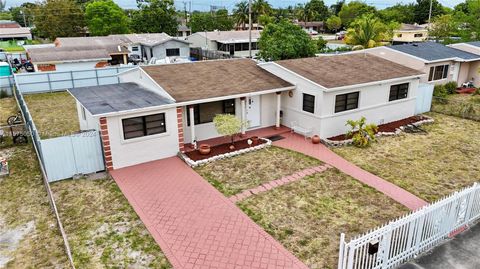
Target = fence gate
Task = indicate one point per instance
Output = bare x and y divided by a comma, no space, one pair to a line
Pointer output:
67,156
424,98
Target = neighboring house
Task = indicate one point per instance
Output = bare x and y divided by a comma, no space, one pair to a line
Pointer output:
18,33
9,24
154,45
409,33
333,89
441,63
155,112
183,31
312,27
234,43
67,59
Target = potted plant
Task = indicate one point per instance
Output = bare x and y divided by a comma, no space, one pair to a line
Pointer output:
315,139
204,149
254,140
228,125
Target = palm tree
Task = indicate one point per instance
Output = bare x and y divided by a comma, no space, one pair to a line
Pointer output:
261,7
240,14
366,32
303,13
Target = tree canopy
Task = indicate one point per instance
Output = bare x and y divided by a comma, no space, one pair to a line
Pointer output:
208,21
285,40
104,17
422,10
353,10
59,18
155,16
367,31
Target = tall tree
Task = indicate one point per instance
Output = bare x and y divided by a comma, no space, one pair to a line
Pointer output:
23,14
304,14
208,21
59,18
367,31
259,8
318,9
400,13
155,16
285,40
334,23
354,10
422,10
442,28
240,14
335,8
104,17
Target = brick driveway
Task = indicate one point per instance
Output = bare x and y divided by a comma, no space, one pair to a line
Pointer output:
194,224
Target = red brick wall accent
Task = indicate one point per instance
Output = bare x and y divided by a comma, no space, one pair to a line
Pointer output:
106,144
181,140
46,67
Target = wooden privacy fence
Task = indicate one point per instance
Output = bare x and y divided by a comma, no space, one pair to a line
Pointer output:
403,239
61,80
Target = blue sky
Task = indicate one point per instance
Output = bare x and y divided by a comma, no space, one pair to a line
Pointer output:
229,4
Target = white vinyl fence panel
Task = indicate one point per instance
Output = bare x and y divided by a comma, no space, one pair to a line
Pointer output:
6,84
61,80
67,156
403,239
424,98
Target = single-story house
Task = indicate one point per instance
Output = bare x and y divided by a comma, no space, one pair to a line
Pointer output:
17,33
409,33
67,59
154,45
183,31
333,89
440,62
9,24
154,112
312,27
234,43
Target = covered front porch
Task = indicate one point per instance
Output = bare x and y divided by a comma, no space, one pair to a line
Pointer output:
262,112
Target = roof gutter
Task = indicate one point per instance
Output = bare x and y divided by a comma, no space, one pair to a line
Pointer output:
186,103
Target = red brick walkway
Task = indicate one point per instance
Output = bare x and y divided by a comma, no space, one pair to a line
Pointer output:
298,143
194,224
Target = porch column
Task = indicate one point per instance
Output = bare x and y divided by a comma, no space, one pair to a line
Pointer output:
192,124
279,102
243,116
125,61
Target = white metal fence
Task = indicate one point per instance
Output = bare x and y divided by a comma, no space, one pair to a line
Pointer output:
61,80
424,98
403,239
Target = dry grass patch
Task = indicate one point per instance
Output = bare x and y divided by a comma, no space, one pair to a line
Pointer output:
54,114
8,107
103,229
24,203
233,175
308,216
429,166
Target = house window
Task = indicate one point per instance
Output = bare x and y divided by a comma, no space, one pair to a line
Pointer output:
399,35
438,72
346,101
399,91
308,103
204,113
173,52
418,35
135,48
144,126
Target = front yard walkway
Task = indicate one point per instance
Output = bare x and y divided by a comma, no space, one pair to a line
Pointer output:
321,152
194,224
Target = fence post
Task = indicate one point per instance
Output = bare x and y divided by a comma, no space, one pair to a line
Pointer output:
49,83
471,200
71,77
341,251
96,75
386,242
118,78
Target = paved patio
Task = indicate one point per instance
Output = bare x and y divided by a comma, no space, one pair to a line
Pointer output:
298,143
194,224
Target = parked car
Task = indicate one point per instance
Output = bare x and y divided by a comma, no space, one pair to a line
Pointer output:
29,66
134,58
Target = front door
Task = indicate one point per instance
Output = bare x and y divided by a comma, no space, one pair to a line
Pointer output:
253,111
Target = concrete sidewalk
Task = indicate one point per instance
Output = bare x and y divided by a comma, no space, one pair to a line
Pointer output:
462,252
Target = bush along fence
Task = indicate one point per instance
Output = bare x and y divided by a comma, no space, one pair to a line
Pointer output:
413,234
463,109
37,146
61,80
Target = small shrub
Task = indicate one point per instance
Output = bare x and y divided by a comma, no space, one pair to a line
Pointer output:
466,109
3,94
476,92
440,91
450,87
228,125
361,133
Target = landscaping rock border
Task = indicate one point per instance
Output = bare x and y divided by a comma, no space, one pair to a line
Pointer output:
398,131
193,163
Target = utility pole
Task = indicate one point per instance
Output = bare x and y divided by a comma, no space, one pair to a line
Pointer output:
430,13
22,11
250,28
185,11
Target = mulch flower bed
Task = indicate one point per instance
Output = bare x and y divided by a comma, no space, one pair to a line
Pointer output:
221,149
390,127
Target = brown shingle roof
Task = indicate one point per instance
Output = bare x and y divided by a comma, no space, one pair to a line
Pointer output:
60,54
347,69
209,79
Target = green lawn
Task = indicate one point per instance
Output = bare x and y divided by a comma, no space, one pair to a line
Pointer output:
429,166
104,230
54,114
233,175
460,105
8,107
308,216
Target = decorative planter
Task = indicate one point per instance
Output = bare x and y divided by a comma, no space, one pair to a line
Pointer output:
204,149
254,140
315,139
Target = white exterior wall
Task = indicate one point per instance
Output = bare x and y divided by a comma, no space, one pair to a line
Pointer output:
90,122
373,104
143,149
160,51
199,41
